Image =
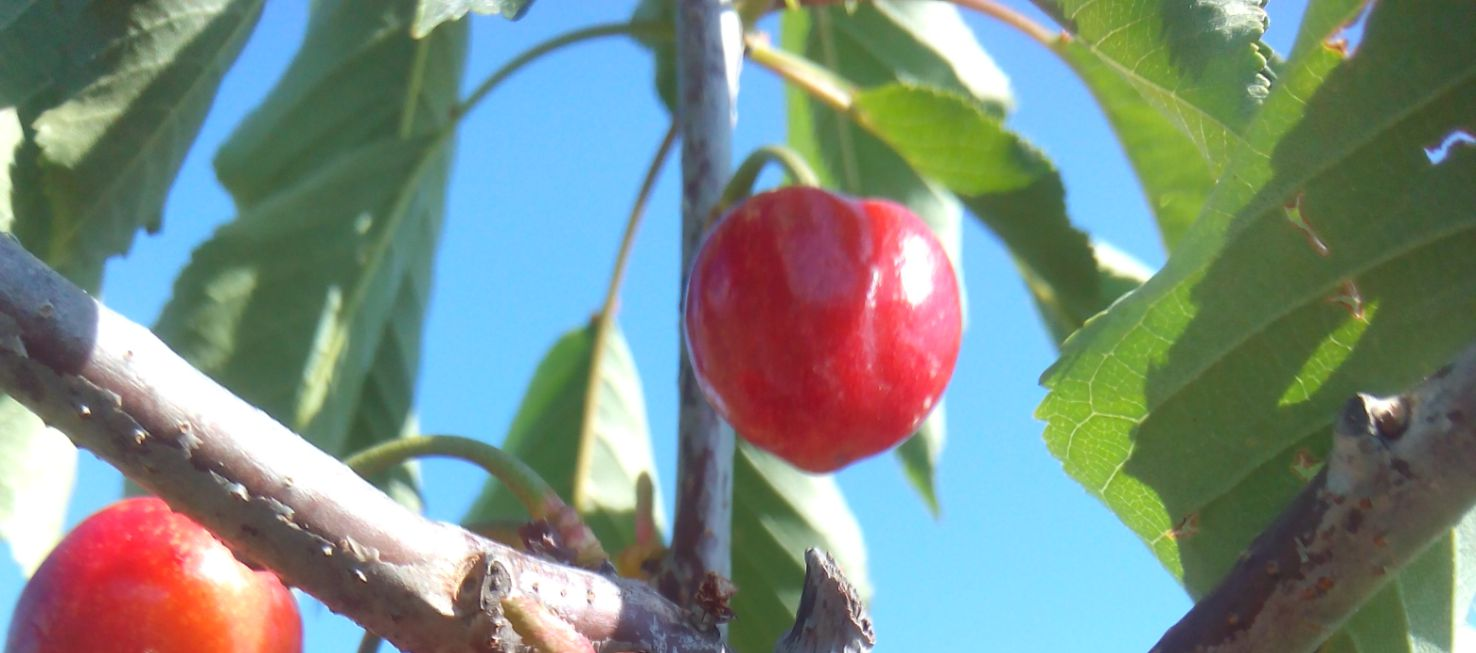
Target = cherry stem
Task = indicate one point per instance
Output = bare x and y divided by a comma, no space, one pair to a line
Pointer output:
530,488
740,185
820,83
605,323
646,29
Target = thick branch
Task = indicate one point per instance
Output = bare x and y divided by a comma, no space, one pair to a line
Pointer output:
426,586
1400,475
708,53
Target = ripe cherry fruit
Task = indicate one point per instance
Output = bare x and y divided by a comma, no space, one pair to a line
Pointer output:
138,577
822,328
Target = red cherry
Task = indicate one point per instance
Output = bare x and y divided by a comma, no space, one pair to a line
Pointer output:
139,577
822,328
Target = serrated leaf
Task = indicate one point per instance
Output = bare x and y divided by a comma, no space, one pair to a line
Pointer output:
112,95
1175,178
1199,62
778,512
430,13
37,468
875,43
309,304
546,432
1191,406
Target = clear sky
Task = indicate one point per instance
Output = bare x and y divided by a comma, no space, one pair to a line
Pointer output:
1022,558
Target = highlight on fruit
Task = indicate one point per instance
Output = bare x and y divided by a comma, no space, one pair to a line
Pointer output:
823,328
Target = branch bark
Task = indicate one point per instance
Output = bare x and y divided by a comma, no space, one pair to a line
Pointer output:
1400,475
831,617
426,586
709,51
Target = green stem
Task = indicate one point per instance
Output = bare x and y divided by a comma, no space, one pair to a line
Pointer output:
646,29
531,490
606,319
820,83
740,185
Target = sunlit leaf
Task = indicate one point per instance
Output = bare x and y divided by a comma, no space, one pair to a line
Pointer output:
1175,178
1200,63
1332,258
546,435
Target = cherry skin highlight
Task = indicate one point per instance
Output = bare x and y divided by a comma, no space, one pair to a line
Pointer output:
138,577
822,328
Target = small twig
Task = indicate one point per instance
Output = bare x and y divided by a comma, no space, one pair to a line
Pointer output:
1400,476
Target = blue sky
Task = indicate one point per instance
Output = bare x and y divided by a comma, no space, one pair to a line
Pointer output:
1021,559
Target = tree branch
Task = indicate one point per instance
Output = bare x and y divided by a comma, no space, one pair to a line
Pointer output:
831,617
1400,475
708,54
426,586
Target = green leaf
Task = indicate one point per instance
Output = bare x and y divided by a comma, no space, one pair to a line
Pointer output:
430,13
876,43
1118,273
663,51
1199,398
37,468
1175,178
545,434
1199,62
111,95
309,304
778,512
920,454
884,41
1000,177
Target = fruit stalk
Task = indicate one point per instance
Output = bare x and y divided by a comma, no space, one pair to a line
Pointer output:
708,54
118,391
